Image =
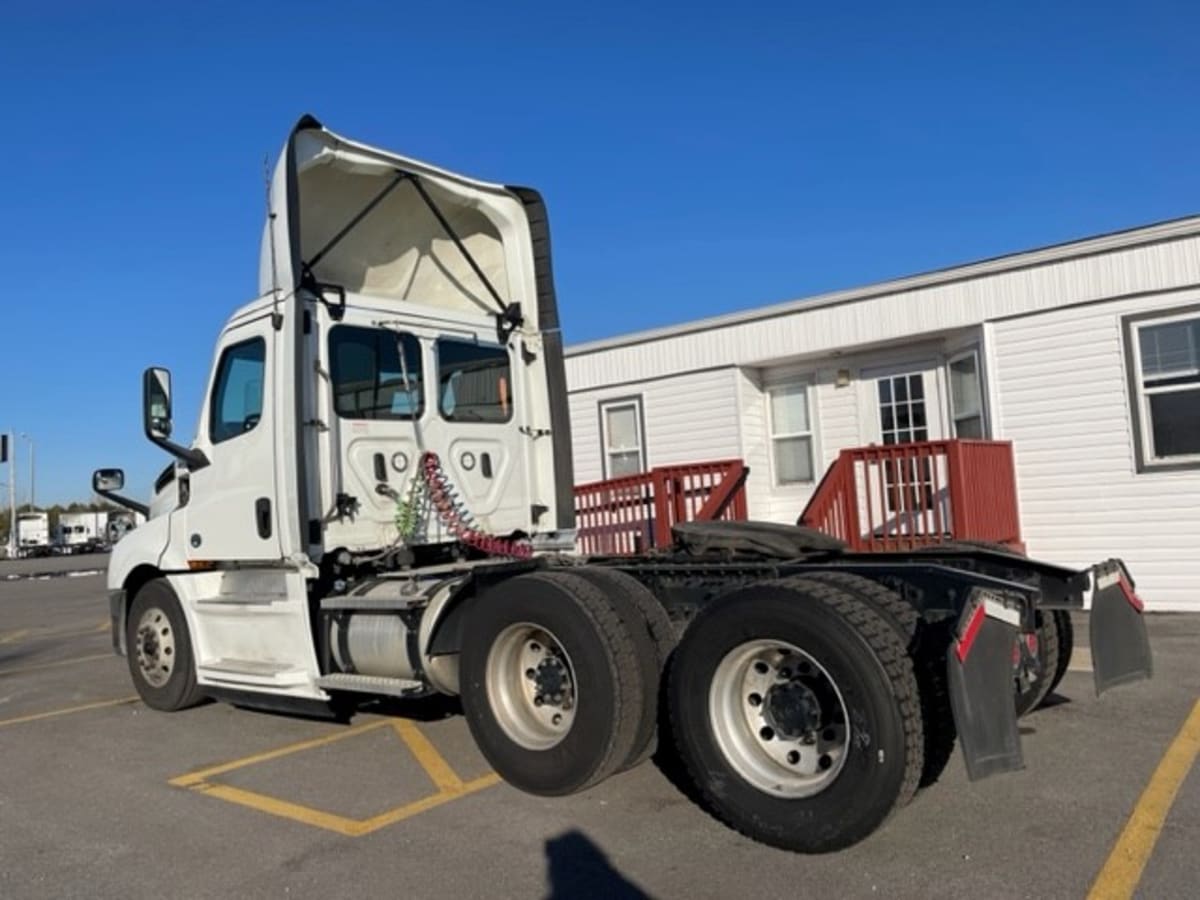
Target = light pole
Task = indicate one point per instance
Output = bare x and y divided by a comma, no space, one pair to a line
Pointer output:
32,498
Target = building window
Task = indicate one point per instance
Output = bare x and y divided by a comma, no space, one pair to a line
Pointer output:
622,437
791,434
238,395
370,380
902,416
1165,387
966,396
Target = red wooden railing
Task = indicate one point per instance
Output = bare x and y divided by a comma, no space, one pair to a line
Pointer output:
634,513
901,496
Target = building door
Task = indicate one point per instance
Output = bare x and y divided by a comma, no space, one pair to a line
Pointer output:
904,407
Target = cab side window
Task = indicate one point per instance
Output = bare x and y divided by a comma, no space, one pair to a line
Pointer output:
473,382
237,400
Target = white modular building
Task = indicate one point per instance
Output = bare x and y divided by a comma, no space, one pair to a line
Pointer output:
1085,356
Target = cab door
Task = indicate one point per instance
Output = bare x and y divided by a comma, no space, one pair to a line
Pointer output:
231,512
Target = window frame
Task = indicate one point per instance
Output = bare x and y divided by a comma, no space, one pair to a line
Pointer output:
927,403
984,418
603,406
769,390
1138,398
219,387
437,365
358,416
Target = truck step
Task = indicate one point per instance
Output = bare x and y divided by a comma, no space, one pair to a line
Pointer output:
371,684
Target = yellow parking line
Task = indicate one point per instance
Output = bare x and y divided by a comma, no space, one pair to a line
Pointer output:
58,662
192,779
65,712
1123,870
450,785
431,761
305,815
391,817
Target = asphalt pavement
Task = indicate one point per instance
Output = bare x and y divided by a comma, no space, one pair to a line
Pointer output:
101,797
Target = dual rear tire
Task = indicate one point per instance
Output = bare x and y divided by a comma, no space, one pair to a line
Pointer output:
559,677
794,706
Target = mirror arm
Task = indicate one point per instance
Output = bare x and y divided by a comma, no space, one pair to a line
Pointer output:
125,501
192,458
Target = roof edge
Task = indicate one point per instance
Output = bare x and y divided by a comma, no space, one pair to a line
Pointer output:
1170,229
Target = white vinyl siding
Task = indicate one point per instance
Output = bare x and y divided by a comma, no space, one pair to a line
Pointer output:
686,418
1061,383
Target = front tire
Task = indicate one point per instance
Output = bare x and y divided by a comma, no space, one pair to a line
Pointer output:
551,685
773,674
159,649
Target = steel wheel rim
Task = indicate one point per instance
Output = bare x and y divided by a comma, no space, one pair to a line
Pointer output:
779,718
531,686
154,646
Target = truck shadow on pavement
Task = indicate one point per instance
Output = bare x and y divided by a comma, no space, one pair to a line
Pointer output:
577,868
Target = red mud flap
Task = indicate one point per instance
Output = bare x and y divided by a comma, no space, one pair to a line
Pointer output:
1120,645
980,664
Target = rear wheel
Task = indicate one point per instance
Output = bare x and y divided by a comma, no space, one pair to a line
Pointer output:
795,709
1031,693
927,643
653,637
551,685
159,649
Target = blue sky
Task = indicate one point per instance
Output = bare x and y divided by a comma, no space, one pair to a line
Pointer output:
697,158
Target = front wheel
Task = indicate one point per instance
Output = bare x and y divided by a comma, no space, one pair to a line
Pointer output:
796,713
159,649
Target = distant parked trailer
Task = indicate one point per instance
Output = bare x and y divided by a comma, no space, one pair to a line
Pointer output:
33,534
82,532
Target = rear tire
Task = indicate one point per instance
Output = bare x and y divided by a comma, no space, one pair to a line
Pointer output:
1066,645
1049,657
562,629
159,649
927,644
654,638
853,670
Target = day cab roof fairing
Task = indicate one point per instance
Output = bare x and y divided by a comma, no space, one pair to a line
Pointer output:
397,230
403,234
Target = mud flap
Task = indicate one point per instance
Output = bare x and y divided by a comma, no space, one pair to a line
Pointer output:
1120,645
980,664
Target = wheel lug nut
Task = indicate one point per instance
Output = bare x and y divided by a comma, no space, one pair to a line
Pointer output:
530,674
557,720
785,673
825,761
761,668
766,733
535,647
829,734
755,699
793,757
539,700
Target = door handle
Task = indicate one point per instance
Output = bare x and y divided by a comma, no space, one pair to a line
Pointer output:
380,468
485,464
262,516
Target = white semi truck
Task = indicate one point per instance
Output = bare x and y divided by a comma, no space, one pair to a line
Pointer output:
33,534
81,532
378,502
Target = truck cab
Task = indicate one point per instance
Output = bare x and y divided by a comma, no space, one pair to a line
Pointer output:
405,329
